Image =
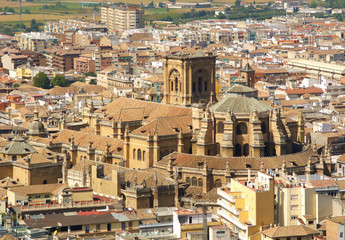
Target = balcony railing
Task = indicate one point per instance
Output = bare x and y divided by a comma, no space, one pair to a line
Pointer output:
233,220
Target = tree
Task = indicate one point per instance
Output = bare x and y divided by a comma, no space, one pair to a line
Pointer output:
41,80
34,27
90,74
93,82
313,4
238,3
16,85
151,5
8,31
59,80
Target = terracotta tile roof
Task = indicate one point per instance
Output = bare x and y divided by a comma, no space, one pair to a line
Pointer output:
82,139
198,194
323,183
150,110
8,237
9,182
237,163
38,189
34,159
301,91
167,126
289,231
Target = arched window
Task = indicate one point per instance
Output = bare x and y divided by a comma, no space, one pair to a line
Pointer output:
245,149
200,84
218,183
263,127
241,128
205,86
143,155
176,84
200,182
134,154
238,150
220,127
194,181
45,182
172,86
193,87
188,180
139,154
14,158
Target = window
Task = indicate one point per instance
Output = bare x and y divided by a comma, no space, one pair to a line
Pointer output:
200,84
38,196
46,196
139,154
294,207
134,152
263,127
294,197
98,227
45,182
205,87
294,217
188,180
194,181
220,127
193,87
341,234
143,155
218,183
241,129
200,182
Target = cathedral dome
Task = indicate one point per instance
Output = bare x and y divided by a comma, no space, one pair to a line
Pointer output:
240,104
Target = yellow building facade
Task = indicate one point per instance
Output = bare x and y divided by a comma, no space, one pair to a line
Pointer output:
248,206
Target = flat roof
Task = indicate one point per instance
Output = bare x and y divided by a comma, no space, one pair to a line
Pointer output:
339,69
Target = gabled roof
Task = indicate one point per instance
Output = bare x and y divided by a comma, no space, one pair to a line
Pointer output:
289,231
18,146
164,126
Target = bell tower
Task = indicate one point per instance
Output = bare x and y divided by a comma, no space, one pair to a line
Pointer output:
189,79
248,73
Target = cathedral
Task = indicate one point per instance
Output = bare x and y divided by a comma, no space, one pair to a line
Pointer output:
191,119
153,150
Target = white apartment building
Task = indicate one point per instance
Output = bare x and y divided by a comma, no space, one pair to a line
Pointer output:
119,18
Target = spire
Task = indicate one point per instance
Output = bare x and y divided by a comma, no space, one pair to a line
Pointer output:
36,112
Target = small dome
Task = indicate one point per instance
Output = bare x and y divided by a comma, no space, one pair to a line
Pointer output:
36,128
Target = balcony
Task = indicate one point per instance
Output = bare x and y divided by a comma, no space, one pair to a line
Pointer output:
227,196
233,220
227,206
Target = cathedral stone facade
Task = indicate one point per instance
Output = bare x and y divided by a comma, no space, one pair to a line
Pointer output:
189,79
